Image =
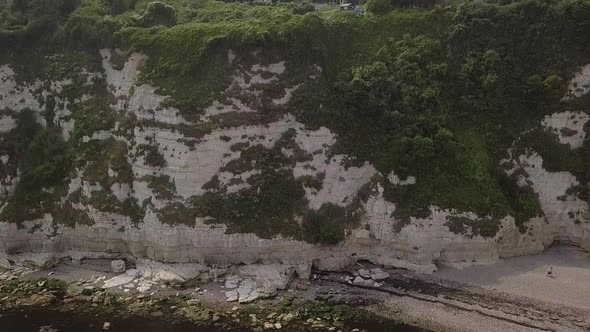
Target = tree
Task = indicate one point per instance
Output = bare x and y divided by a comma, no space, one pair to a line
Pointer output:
378,7
553,88
157,13
371,81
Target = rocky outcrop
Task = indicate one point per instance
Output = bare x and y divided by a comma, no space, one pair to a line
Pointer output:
203,155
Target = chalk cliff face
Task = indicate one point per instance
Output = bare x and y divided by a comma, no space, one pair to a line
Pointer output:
160,161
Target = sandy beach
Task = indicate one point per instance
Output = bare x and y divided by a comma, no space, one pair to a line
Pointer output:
526,276
514,294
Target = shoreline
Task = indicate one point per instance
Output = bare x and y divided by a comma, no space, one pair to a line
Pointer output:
310,309
449,300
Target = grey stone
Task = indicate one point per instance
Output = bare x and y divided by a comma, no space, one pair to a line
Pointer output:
133,273
231,296
364,273
378,274
358,281
118,266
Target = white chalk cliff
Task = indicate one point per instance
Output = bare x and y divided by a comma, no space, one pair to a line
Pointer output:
194,161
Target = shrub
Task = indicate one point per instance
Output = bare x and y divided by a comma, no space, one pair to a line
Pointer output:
553,88
90,26
152,155
157,13
303,8
378,7
326,226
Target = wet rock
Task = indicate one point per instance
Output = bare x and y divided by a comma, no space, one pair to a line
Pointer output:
118,266
106,326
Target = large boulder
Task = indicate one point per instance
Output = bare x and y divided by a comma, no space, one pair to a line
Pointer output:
118,266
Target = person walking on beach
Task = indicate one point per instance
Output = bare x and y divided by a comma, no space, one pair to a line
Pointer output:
550,272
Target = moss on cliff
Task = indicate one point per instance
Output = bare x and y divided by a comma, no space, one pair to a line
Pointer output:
558,157
151,155
105,201
465,226
439,94
161,185
43,163
105,162
70,216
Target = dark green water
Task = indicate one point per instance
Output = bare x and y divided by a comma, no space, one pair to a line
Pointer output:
33,320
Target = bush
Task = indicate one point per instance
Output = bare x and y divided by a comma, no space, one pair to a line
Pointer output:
553,88
90,26
303,8
43,164
326,226
43,152
152,155
378,7
157,13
